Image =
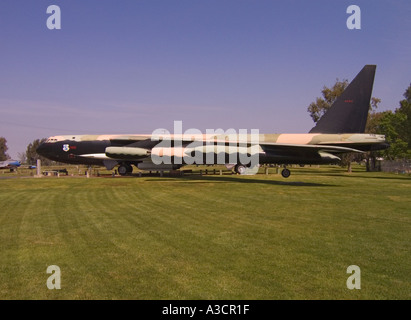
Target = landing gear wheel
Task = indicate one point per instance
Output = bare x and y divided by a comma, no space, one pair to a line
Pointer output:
123,169
285,173
129,168
240,169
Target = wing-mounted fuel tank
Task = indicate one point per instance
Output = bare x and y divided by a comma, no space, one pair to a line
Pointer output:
127,153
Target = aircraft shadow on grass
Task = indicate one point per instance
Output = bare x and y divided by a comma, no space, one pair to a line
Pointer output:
217,179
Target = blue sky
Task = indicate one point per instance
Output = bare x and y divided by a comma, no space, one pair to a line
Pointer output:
133,66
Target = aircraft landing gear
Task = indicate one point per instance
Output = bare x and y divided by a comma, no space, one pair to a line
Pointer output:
285,173
240,169
124,169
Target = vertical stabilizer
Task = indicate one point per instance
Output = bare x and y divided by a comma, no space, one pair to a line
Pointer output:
348,114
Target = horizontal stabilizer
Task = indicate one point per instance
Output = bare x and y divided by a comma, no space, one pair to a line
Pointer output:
307,147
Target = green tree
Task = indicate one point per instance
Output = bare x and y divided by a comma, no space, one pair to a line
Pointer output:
318,108
396,126
3,149
404,129
390,124
372,127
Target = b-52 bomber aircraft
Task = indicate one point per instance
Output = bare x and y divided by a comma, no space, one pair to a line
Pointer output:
340,130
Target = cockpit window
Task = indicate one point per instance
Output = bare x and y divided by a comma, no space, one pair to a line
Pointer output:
61,138
54,139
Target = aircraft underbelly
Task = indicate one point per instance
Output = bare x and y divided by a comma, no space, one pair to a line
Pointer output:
308,158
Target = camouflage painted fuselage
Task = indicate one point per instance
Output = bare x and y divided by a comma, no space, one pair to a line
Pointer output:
110,150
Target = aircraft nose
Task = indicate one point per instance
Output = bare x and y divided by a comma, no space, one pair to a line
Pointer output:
43,149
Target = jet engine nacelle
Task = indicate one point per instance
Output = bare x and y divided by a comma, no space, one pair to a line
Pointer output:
128,153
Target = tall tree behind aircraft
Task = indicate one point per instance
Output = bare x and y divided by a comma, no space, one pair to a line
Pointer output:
3,149
321,105
405,108
396,126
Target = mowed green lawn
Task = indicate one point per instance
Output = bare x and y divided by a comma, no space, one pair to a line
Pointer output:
209,237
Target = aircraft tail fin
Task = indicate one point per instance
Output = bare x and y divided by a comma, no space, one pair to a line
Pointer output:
348,114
